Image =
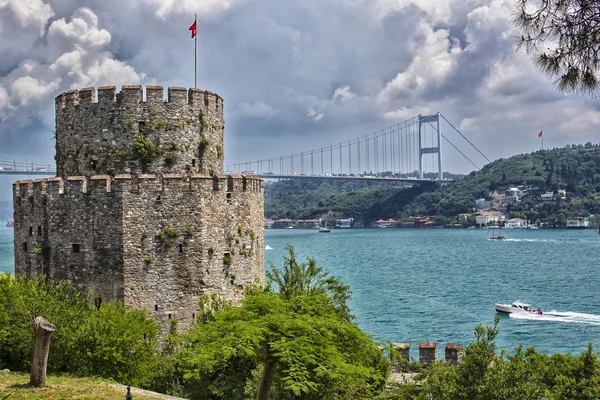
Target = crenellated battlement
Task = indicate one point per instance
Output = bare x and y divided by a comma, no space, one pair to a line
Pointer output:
75,185
137,94
137,130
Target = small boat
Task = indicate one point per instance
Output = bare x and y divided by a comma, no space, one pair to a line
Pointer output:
517,307
493,236
10,223
324,230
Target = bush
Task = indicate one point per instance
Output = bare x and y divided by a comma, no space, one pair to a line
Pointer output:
108,341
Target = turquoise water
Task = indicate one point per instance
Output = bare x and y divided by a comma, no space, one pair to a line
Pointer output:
7,255
412,285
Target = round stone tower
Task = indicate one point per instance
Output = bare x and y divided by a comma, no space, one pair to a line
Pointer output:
126,133
140,210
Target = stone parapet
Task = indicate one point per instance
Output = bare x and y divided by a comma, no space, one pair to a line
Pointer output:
453,353
131,183
403,357
428,353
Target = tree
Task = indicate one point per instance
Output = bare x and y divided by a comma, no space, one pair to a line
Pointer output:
298,341
563,36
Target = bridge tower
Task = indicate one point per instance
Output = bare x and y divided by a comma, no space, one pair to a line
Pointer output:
430,119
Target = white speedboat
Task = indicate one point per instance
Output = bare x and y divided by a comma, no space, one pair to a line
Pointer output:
517,307
324,230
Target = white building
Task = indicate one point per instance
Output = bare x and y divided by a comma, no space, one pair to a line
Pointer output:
516,223
486,217
548,196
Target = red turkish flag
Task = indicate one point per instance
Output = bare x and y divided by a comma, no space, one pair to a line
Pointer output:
193,29
539,134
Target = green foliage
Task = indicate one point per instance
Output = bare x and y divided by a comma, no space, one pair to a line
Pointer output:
526,374
148,260
302,334
204,144
171,233
110,341
189,233
116,343
42,251
227,259
211,251
220,153
572,27
146,151
170,159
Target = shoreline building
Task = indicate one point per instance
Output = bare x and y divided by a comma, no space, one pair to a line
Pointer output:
140,210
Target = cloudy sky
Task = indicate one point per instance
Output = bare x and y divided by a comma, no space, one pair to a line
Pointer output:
295,75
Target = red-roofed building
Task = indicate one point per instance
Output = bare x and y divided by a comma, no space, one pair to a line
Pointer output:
284,223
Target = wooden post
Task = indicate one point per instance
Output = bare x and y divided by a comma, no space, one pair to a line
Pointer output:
41,346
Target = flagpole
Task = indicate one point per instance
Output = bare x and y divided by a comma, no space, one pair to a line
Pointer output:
196,54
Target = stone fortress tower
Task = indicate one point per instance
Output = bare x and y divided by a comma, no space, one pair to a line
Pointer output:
140,210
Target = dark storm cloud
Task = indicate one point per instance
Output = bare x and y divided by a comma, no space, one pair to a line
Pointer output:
294,75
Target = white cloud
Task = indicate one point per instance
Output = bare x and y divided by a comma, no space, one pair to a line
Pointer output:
353,66
343,94
405,113
27,89
166,8
314,114
30,15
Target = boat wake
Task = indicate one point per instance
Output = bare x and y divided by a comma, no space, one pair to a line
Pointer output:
267,247
529,240
556,316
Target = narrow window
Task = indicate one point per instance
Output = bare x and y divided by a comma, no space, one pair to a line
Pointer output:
24,246
156,307
169,315
180,248
193,162
98,302
158,198
31,231
76,247
142,126
194,315
229,198
39,230
94,164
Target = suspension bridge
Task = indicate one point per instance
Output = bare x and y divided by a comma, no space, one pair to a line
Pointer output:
401,152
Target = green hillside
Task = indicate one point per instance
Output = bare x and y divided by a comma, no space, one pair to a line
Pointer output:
575,169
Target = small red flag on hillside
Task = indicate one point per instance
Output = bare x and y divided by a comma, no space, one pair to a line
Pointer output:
193,29
539,134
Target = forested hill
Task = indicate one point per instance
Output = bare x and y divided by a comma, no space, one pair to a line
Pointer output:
574,168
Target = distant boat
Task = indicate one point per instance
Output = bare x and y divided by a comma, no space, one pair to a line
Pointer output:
10,223
324,230
517,307
493,236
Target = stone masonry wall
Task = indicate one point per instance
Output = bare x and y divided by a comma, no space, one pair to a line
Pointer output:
122,133
70,230
156,242
178,230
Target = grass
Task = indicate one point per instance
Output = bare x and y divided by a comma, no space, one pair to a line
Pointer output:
15,386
